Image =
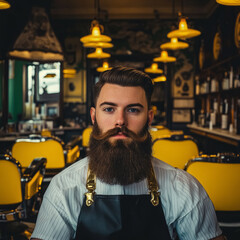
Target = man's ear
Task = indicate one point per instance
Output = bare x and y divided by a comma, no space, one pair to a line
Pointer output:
150,116
92,114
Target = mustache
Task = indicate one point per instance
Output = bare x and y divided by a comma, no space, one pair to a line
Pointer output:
124,130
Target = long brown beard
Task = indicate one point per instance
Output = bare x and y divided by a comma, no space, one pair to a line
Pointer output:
122,161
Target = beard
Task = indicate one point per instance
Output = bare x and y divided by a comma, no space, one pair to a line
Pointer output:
122,161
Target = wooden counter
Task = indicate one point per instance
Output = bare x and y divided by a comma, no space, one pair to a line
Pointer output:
217,134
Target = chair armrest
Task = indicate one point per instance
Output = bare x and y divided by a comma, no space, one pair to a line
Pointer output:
73,143
36,165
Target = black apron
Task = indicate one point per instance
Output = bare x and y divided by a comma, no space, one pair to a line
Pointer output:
122,217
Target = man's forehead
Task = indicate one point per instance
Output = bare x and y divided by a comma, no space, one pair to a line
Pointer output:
117,92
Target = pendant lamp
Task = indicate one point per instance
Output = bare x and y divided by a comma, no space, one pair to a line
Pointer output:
104,67
98,54
164,58
229,2
4,4
174,44
98,45
69,73
95,35
161,78
153,69
37,41
183,31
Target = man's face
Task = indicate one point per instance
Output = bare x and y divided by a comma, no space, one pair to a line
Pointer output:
119,106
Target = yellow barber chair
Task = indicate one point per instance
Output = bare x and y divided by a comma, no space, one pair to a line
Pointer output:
19,192
158,132
86,136
175,150
220,176
85,139
57,154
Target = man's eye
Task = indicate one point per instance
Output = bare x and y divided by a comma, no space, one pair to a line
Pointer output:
108,109
133,110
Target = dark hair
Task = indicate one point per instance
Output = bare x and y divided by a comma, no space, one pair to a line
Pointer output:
123,76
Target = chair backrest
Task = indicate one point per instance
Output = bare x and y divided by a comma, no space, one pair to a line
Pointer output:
158,132
176,152
26,150
10,182
86,136
221,182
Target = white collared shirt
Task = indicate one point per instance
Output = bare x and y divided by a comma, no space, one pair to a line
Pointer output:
187,208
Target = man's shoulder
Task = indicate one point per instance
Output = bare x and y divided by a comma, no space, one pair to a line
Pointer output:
78,168
174,178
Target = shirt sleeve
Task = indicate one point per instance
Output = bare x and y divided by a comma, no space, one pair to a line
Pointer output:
200,223
198,219
52,222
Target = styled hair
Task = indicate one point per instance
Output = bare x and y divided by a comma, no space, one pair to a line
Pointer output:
127,77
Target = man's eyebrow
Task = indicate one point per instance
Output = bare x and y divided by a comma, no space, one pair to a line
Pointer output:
108,103
114,104
135,105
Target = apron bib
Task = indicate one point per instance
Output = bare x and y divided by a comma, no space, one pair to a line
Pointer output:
122,217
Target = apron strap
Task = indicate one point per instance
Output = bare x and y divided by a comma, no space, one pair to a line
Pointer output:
91,186
152,186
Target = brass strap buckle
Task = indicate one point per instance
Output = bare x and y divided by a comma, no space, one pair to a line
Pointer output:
91,186
153,188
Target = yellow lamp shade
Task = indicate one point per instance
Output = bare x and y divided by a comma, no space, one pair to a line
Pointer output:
164,58
95,36
99,54
104,67
4,4
183,31
69,71
174,45
160,79
229,2
98,45
153,69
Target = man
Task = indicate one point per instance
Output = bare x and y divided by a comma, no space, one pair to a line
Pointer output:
119,191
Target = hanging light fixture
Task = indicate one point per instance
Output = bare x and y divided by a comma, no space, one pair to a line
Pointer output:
69,73
104,67
229,2
174,44
37,41
98,54
95,35
161,78
153,69
164,58
183,31
98,45
4,4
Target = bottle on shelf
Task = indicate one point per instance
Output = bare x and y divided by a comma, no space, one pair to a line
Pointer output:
236,81
231,78
231,122
197,86
213,115
225,82
214,85
224,116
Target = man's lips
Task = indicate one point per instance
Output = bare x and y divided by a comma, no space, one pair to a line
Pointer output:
120,135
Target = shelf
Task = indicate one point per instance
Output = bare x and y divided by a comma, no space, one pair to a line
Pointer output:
216,134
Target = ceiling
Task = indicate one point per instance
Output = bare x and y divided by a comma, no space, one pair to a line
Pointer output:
131,9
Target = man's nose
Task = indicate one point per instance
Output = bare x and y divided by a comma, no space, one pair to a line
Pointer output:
120,119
